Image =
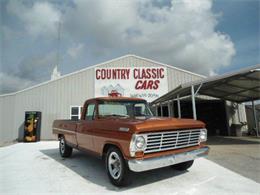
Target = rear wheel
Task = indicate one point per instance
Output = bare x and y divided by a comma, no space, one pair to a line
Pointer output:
183,166
116,167
65,150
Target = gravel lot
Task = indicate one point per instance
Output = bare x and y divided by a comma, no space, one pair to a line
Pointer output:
29,168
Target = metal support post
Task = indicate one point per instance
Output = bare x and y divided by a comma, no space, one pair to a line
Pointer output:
161,109
156,110
179,106
255,119
169,108
172,108
193,103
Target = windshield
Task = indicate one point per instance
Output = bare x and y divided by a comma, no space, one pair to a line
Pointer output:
133,109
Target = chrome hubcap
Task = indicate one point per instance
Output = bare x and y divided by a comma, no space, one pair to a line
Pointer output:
62,145
114,165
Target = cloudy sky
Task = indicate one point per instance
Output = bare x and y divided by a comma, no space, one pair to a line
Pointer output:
204,36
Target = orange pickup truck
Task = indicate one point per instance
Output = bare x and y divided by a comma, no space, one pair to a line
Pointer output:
124,132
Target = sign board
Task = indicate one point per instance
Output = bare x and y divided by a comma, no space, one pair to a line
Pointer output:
143,82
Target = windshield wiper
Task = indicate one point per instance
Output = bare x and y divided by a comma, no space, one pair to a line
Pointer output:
144,116
120,115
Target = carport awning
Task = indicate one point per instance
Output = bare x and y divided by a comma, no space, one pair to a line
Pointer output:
241,86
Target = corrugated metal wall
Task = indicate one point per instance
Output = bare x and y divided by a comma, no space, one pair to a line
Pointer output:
8,131
54,98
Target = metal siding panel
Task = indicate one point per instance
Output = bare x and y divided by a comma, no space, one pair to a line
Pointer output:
1,119
52,99
72,91
7,119
176,77
18,124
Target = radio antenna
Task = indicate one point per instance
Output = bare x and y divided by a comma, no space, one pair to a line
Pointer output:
55,73
58,44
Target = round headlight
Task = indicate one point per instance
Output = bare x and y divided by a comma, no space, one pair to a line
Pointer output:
203,135
140,142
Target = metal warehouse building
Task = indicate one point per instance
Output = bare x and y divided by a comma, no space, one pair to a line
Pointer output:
129,75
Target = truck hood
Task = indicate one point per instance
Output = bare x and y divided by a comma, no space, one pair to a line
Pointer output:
157,124
152,124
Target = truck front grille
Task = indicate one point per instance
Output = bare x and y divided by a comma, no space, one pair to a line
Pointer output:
172,140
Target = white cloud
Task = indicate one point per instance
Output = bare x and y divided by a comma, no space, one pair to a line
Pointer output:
75,51
31,70
10,83
212,73
40,19
182,34
37,68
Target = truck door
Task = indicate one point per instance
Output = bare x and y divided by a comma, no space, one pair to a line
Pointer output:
85,128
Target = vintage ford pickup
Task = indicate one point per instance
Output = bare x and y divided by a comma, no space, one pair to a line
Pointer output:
124,132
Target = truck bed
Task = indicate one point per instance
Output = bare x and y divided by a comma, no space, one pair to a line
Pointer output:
64,126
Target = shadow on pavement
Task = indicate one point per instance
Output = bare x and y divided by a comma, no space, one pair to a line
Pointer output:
93,170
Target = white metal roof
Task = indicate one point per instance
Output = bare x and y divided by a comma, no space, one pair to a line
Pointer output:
239,86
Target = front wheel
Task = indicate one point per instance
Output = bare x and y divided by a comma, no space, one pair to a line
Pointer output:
116,167
65,150
183,166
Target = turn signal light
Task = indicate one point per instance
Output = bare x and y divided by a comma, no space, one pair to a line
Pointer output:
139,154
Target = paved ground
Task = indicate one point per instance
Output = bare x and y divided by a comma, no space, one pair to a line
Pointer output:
239,154
37,167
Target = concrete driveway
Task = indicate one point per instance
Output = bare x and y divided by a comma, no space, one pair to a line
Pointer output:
29,168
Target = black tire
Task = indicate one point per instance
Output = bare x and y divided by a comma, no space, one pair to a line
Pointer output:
65,150
252,132
183,166
123,177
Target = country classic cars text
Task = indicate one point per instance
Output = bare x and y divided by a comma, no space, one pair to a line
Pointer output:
146,78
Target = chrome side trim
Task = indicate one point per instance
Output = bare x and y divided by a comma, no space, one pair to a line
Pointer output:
164,161
64,130
123,129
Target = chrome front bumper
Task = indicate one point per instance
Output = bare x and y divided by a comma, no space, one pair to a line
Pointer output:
164,161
